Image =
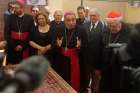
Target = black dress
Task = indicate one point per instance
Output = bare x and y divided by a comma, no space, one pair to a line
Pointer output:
42,39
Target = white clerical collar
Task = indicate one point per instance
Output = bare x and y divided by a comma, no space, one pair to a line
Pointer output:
21,15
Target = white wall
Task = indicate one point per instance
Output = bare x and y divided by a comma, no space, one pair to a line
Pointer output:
132,14
55,5
103,6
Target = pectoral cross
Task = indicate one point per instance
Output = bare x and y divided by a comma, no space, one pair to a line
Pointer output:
19,34
66,48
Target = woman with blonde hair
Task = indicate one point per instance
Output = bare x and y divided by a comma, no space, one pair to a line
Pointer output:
40,38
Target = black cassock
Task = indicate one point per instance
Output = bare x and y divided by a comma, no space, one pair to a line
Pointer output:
108,73
16,33
70,61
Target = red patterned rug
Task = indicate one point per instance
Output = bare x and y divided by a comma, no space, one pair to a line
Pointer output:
52,83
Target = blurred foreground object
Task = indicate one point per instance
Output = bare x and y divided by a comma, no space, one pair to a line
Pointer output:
52,83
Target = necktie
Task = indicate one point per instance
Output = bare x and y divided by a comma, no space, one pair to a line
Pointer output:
92,26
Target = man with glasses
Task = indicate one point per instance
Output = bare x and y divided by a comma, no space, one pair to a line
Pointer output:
116,34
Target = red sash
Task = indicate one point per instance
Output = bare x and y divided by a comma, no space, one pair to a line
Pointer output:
19,35
75,67
25,53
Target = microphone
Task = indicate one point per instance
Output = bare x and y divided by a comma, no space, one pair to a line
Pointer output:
28,75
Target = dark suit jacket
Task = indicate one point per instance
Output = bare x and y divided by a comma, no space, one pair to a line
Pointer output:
94,44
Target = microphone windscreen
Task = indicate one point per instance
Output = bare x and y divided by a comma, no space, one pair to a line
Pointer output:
32,71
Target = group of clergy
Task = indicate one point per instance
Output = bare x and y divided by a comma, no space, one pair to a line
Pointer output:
79,49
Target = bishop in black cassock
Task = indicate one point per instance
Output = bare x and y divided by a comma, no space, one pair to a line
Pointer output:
16,34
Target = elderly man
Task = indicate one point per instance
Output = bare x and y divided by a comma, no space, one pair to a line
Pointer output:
117,31
56,23
116,34
125,62
71,43
94,30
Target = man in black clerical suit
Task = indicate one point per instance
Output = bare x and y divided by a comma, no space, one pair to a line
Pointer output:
16,34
